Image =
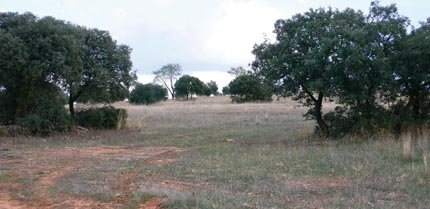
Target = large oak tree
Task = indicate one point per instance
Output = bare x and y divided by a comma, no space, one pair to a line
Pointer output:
36,53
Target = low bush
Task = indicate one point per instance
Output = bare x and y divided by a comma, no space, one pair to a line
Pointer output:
248,88
147,94
13,131
102,118
35,124
46,118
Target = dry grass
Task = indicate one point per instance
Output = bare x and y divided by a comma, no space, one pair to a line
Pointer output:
227,156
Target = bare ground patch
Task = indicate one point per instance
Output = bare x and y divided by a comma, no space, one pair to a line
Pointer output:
47,165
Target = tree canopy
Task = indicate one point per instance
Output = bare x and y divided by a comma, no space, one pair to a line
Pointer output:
248,88
147,93
211,88
188,85
341,56
46,54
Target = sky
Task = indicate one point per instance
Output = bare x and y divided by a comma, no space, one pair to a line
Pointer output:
206,37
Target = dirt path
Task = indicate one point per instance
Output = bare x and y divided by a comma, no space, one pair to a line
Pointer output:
6,202
61,161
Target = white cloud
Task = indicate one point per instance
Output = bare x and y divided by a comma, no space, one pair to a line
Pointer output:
240,25
145,78
302,1
119,13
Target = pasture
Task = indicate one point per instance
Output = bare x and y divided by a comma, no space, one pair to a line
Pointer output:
209,153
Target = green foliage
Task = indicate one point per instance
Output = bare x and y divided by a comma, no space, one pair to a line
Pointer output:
343,56
35,124
42,111
86,63
411,64
147,94
167,75
211,88
248,88
99,70
226,90
102,118
7,108
303,60
187,85
41,59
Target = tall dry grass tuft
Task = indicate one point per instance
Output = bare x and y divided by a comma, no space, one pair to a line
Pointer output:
407,145
423,143
426,167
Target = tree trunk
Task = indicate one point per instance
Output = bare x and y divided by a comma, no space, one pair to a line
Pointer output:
416,110
318,116
173,89
71,107
318,112
414,104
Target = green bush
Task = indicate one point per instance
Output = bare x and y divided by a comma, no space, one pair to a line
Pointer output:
35,124
13,131
147,94
7,108
248,88
46,113
102,118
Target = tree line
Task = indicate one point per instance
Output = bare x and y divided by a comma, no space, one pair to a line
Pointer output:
374,67
169,79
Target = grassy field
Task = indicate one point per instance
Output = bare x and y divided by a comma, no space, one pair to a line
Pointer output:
209,153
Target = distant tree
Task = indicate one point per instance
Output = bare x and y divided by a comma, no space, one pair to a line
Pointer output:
248,88
237,71
147,94
187,85
211,88
225,90
167,76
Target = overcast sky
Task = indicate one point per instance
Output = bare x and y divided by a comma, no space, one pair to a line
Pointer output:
206,37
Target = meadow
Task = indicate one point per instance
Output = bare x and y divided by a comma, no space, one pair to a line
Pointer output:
210,153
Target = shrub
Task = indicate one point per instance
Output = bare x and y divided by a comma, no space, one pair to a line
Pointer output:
13,131
35,124
344,121
248,88
102,118
46,113
147,94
